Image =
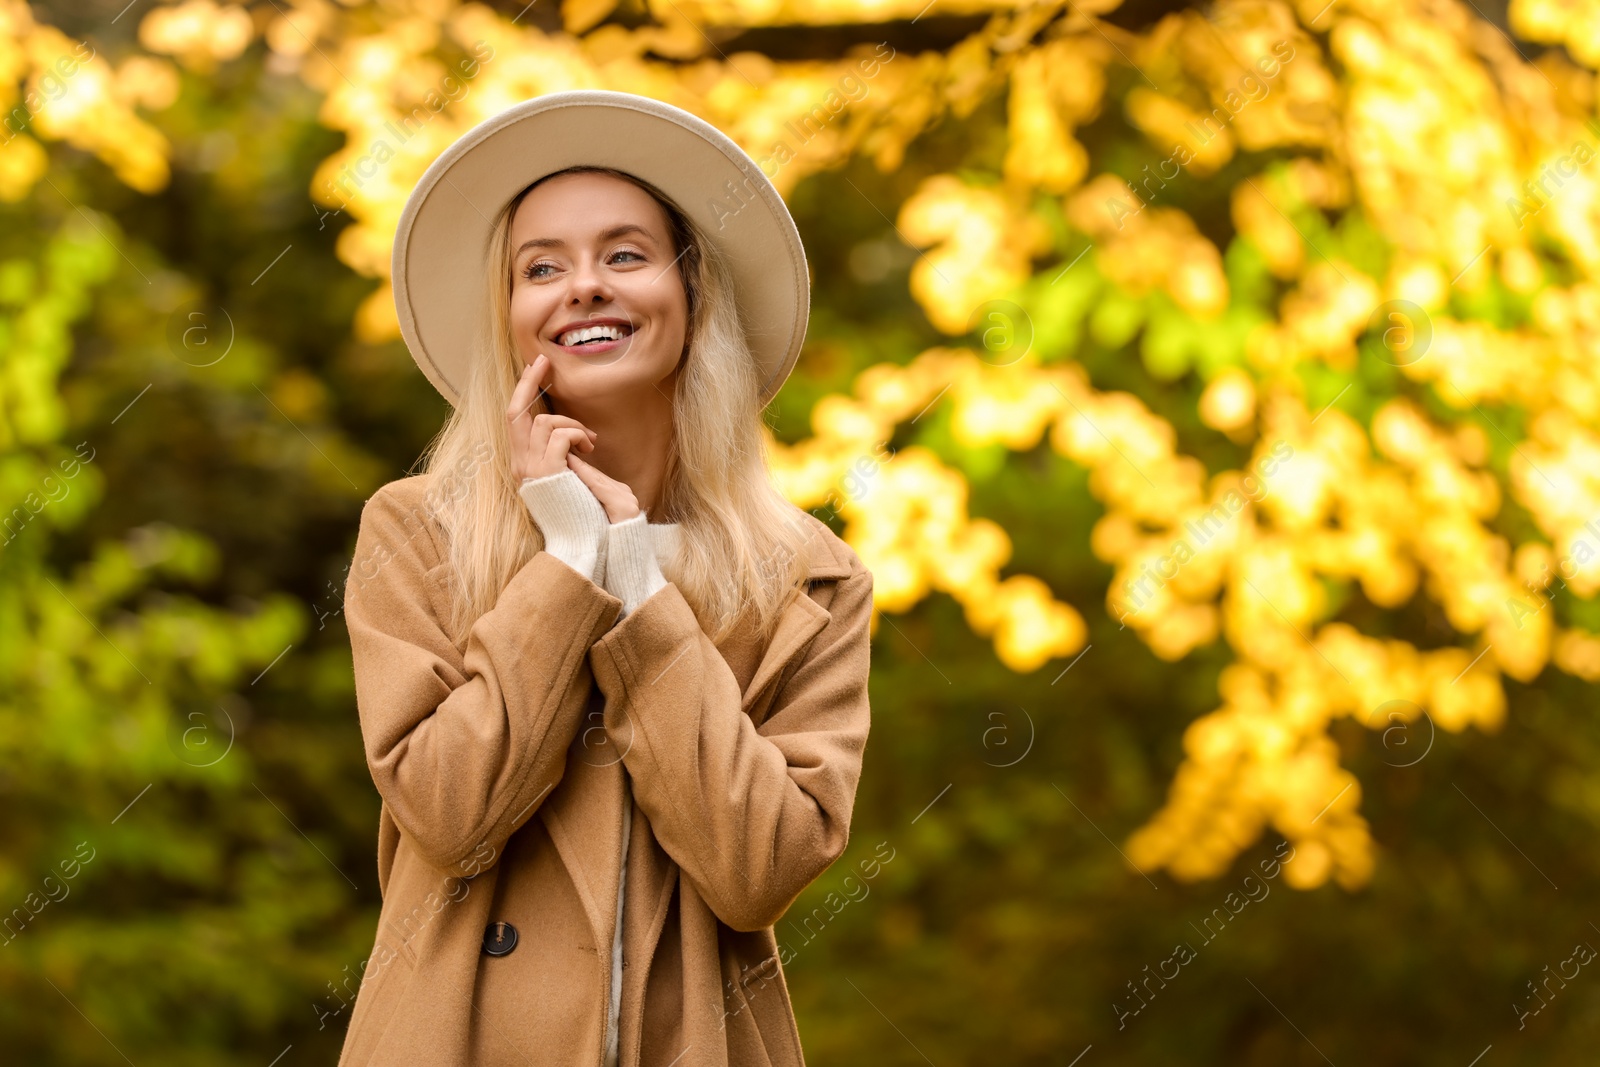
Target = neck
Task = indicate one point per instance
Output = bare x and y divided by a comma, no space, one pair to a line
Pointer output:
633,437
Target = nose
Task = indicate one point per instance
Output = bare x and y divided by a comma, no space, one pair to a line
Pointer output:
588,286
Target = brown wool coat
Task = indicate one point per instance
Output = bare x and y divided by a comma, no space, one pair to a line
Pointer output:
500,771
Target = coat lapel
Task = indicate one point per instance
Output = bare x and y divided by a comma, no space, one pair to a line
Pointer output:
584,813
584,818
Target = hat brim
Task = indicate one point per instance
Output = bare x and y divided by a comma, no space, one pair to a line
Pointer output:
444,235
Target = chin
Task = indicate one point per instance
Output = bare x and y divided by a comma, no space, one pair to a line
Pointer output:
580,381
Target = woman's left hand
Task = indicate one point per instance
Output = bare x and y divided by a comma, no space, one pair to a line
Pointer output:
616,497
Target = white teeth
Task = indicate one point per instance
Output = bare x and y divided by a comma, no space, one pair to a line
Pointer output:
591,333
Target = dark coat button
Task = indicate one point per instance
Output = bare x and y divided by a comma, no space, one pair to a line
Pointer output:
499,939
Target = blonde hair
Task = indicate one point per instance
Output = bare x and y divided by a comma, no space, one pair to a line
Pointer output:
744,545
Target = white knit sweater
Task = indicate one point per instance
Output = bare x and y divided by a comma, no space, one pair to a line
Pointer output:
578,533
625,557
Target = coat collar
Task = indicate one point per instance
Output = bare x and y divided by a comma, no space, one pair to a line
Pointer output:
827,562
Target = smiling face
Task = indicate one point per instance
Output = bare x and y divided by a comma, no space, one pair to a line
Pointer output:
596,286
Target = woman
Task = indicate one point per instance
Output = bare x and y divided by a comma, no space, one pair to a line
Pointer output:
611,751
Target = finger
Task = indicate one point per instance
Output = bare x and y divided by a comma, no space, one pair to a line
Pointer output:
529,383
598,482
551,419
547,425
601,483
563,442
519,420
614,496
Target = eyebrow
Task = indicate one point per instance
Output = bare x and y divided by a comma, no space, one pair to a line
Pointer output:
605,235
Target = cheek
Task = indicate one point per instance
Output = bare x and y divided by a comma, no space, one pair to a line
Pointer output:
663,304
528,313
680,319
676,311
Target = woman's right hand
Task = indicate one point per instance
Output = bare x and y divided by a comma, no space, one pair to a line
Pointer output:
540,443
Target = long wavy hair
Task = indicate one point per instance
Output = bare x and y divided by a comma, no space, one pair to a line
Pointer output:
744,546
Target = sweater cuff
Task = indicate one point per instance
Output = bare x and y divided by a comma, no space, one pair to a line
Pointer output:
632,572
571,518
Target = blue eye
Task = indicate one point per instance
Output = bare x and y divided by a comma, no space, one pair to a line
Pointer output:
532,270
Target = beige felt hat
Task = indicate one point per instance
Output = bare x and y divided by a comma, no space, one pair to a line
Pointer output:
443,237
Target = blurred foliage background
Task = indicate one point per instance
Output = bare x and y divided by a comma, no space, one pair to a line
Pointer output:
1214,393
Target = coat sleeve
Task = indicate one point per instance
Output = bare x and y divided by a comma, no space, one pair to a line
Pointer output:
750,815
464,746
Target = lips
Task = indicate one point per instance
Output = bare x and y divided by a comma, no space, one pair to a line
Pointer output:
594,335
